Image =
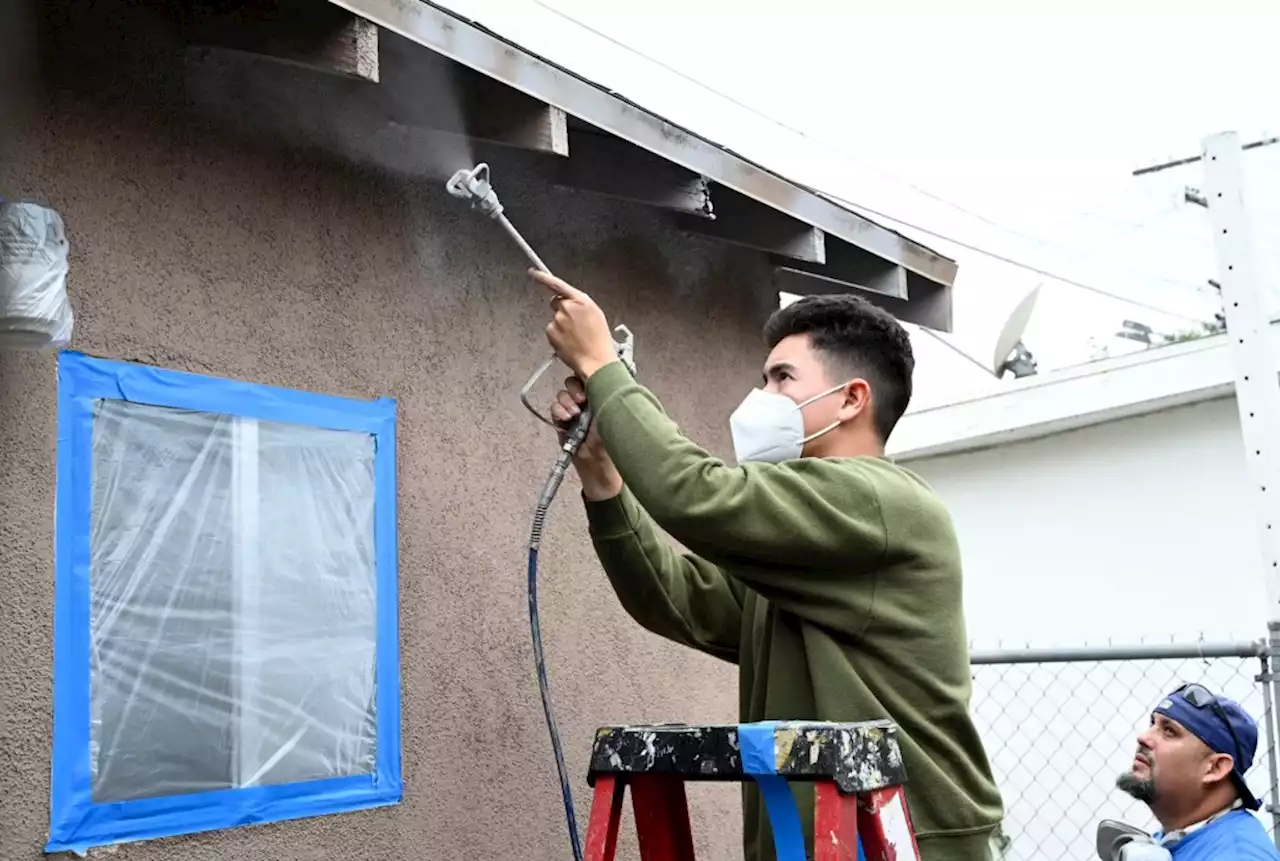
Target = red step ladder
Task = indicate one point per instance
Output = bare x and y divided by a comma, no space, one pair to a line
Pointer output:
856,768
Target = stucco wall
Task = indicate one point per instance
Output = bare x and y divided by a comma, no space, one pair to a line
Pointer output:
196,250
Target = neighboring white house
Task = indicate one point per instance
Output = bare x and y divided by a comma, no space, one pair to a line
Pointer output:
1102,503
1086,497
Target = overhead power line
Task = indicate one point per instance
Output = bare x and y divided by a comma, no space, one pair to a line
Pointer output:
756,111
1011,261
1142,171
888,175
845,154
761,114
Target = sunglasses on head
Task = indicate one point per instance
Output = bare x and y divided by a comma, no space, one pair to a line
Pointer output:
1201,697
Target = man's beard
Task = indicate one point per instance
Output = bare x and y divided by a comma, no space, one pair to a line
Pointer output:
1141,788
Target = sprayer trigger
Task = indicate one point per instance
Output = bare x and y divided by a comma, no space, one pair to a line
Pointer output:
625,347
528,387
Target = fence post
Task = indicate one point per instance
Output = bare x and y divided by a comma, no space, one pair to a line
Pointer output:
1270,698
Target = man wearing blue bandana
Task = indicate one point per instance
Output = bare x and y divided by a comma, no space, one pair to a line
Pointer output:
1189,769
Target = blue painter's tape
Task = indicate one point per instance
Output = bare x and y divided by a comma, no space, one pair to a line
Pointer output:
387,564
100,824
84,377
755,742
69,788
759,762
76,822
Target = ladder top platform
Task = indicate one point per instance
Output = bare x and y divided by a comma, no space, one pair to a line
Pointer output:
857,757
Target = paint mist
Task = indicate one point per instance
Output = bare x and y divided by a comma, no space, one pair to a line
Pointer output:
410,122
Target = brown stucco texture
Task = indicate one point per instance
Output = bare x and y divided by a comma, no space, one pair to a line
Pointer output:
199,250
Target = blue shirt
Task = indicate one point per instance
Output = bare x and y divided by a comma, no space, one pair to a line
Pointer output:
1235,836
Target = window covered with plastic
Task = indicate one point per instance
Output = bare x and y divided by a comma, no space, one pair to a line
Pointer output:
235,600
233,624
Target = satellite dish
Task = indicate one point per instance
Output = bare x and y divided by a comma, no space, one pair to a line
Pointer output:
1010,339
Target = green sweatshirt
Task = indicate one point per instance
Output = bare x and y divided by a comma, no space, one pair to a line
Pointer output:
833,583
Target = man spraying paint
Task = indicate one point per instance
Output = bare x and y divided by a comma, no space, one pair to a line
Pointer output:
828,574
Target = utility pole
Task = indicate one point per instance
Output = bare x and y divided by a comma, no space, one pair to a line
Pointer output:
1257,389
1248,327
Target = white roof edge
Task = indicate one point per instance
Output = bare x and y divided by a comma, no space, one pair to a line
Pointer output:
1043,405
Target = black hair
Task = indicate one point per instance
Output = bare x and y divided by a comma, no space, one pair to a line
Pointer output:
862,339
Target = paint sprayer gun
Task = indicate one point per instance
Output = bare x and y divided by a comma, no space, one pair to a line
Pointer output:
1118,841
473,186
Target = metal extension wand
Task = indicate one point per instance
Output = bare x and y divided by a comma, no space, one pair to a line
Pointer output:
474,186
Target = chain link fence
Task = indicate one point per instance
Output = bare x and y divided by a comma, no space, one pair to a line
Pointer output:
1060,725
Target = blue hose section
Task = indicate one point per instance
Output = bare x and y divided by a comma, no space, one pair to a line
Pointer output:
544,687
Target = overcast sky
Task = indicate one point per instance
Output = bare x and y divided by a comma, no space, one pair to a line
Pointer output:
1010,130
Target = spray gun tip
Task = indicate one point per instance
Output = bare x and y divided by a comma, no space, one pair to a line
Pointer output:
473,185
457,184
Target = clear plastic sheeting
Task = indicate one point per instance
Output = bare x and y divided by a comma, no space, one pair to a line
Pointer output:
233,603
34,310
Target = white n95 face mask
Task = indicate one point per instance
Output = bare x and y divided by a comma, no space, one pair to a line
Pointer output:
769,427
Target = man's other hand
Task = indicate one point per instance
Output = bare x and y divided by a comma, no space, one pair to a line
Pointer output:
600,479
578,331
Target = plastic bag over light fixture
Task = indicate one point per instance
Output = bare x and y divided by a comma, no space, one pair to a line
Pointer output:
35,313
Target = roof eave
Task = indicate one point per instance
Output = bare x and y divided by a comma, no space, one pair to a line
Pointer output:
472,45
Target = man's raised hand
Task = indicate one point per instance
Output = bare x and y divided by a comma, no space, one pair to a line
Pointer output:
578,331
